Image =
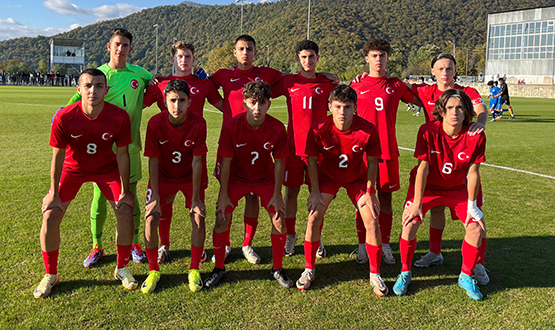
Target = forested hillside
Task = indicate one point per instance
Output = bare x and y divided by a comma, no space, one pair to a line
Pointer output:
339,26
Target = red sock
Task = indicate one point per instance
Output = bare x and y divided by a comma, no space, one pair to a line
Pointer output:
50,260
386,222
278,249
196,254
152,256
165,224
361,230
219,240
482,254
290,225
407,249
470,256
375,257
250,230
310,249
228,240
124,252
436,238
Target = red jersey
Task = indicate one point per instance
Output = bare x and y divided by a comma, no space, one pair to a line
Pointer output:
378,101
429,94
449,158
200,90
307,103
342,155
89,142
175,147
233,81
251,149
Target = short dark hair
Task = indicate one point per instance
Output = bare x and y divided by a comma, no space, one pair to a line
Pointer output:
378,44
177,85
183,45
501,79
257,90
122,33
441,105
94,73
247,38
343,93
490,83
306,45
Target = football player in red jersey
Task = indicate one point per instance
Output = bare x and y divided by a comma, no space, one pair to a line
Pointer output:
176,147
83,134
444,72
232,83
183,59
447,174
378,101
250,143
343,151
307,95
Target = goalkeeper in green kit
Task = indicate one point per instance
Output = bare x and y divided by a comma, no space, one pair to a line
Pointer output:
127,85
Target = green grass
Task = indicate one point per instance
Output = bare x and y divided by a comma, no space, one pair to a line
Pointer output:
518,209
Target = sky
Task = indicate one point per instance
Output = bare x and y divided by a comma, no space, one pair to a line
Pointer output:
29,18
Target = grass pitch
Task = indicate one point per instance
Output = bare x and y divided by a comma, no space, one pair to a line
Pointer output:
518,210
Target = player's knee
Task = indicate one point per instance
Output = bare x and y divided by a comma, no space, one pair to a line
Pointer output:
475,230
222,222
198,222
52,218
153,220
279,224
124,213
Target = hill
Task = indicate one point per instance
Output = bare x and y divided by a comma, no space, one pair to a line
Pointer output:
339,26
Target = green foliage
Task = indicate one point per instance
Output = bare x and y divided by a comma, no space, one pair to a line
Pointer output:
92,65
340,27
43,66
221,57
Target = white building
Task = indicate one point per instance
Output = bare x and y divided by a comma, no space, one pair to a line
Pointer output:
520,44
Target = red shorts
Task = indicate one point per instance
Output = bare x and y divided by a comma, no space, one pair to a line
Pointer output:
479,203
355,190
296,171
455,199
167,192
71,182
238,191
388,175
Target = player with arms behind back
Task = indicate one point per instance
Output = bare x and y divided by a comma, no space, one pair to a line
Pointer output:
307,95
176,147
378,101
447,174
83,134
343,151
248,143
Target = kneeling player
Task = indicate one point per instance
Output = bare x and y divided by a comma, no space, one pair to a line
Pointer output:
447,174
176,147
341,142
247,144
83,134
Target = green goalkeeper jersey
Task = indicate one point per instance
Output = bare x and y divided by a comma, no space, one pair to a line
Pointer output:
127,89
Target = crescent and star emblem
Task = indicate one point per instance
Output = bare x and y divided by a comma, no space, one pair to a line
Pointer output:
462,156
318,90
189,143
106,136
268,146
357,148
194,90
388,90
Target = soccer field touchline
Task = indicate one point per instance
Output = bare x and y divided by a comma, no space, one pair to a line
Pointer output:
504,168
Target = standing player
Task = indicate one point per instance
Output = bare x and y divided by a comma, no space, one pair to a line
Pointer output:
505,96
176,147
183,60
348,148
378,101
82,137
447,174
248,143
127,84
232,83
444,71
495,101
307,97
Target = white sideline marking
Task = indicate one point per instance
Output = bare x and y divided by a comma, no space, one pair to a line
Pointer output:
505,168
30,104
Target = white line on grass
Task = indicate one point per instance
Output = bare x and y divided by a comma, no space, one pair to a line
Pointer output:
505,168
31,104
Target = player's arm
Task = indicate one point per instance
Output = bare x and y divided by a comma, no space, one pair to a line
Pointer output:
331,76
197,206
369,198
223,200
126,196
315,198
52,199
415,209
219,105
277,200
473,184
416,101
153,199
479,125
